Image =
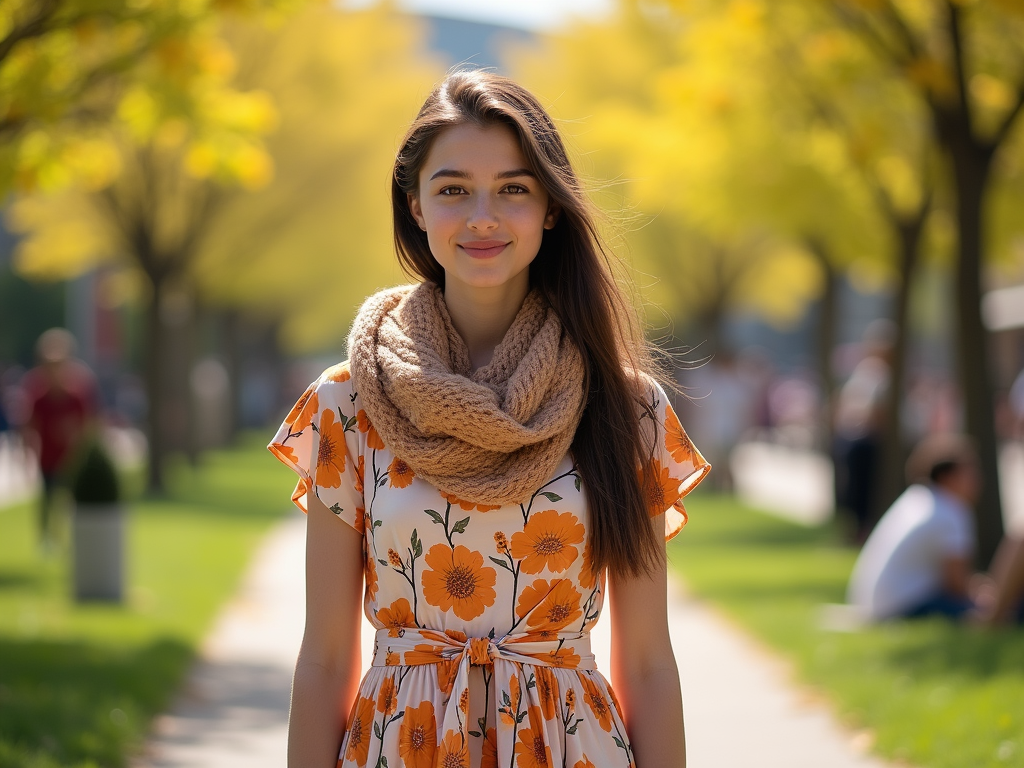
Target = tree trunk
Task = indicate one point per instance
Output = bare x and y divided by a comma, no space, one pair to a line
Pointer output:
825,338
893,451
971,167
154,391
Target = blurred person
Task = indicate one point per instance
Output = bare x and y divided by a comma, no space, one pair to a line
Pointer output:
506,388
1016,403
61,403
859,426
795,404
758,370
917,560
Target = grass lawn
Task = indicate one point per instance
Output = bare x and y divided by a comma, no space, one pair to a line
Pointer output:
79,684
932,694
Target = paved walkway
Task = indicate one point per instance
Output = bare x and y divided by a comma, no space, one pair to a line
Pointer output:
741,709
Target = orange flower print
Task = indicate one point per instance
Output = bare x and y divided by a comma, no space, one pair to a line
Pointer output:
392,659
360,472
489,755
387,700
397,617
400,473
446,670
596,701
563,657
458,580
551,606
372,438
584,763
677,443
531,751
454,751
547,541
570,700
547,690
468,506
285,453
370,570
662,489
360,731
301,414
330,460
424,654
417,738
587,576
339,372
508,713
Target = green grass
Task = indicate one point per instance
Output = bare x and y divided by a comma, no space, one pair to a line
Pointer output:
932,694
79,684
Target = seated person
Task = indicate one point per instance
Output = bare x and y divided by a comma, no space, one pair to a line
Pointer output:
917,560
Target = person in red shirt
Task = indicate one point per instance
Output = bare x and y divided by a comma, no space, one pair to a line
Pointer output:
62,403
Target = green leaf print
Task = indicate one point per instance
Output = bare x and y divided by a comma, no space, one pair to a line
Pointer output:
460,527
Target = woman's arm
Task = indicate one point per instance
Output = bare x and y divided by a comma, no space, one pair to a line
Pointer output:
643,668
327,671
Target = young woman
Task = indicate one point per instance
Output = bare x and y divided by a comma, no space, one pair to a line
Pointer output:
489,452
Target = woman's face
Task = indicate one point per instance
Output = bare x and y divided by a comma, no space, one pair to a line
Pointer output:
483,210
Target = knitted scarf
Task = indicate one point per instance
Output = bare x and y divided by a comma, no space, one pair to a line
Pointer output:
490,436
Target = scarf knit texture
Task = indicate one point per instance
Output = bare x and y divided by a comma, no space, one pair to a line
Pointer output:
489,436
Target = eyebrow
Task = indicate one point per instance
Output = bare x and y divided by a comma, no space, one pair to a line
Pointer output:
451,173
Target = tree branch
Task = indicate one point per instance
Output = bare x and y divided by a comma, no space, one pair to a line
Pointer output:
861,27
34,27
903,30
1007,125
959,66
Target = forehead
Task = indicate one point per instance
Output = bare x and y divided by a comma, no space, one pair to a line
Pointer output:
477,150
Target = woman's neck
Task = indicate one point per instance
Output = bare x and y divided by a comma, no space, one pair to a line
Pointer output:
482,316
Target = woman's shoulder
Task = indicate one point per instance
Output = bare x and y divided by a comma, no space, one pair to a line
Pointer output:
336,385
650,390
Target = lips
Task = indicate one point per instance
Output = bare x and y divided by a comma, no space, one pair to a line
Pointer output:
483,249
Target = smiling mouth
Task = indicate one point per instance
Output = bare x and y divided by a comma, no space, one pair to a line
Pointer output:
484,249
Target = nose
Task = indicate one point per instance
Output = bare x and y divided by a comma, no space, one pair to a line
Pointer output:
482,215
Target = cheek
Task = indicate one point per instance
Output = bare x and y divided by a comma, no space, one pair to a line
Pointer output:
440,219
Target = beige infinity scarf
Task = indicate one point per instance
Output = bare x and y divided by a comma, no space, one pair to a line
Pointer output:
490,436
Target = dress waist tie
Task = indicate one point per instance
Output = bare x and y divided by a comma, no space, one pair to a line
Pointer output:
454,653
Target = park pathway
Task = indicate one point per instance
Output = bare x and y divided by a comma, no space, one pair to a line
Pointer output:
741,709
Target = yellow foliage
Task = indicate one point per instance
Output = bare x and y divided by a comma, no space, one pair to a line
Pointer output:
991,92
272,194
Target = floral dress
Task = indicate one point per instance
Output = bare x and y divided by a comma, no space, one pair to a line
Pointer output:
482,654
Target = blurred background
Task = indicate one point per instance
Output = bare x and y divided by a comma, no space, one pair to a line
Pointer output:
821,205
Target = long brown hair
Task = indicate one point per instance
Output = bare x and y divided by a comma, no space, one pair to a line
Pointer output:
612,448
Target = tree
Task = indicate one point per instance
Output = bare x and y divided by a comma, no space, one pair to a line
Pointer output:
68,66
271,222
643,98
965,63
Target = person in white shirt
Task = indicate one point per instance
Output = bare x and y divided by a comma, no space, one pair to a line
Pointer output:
917,560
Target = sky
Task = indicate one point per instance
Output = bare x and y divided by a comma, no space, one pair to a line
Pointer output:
528,14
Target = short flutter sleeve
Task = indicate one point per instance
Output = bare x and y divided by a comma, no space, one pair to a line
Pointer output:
319,441
678,465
